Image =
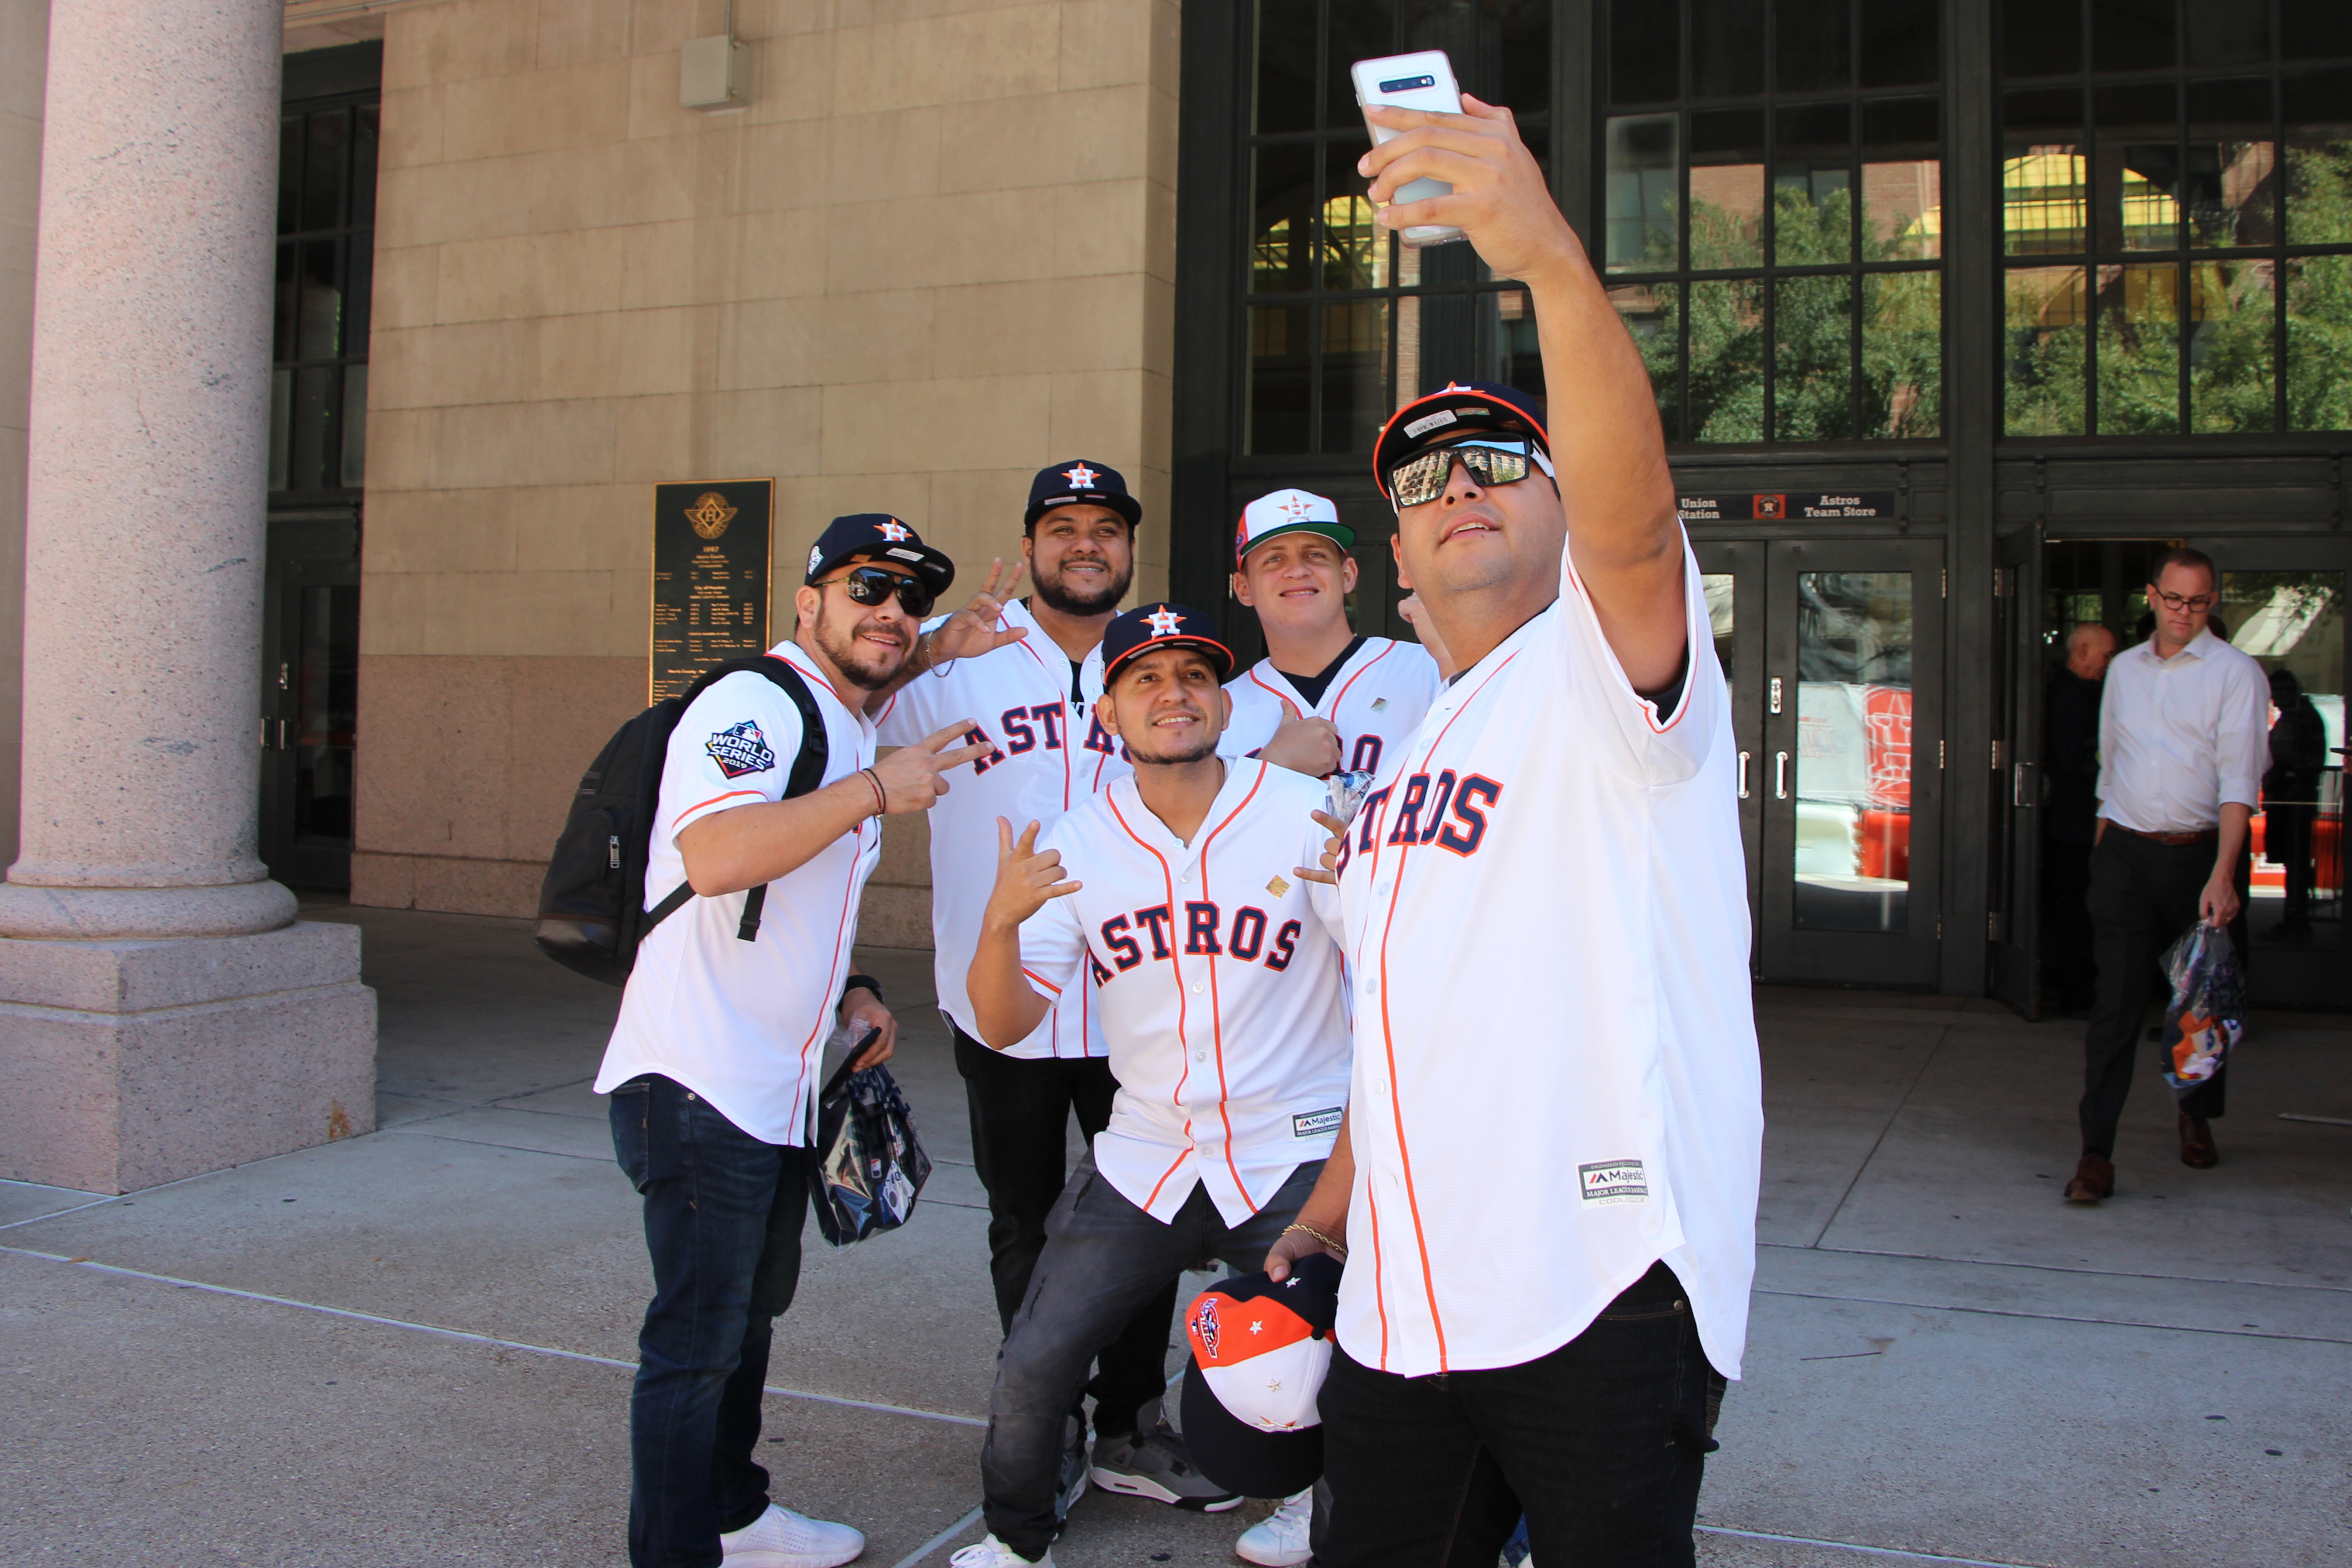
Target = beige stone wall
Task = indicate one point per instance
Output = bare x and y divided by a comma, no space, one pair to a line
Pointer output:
932,255
24,53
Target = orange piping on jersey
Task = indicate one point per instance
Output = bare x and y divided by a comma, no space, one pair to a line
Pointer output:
1379,1286
1168,1172
1216,1002
714,800
1287,705
1649,709
1184,1055
1041,980
1376,659
1388,1034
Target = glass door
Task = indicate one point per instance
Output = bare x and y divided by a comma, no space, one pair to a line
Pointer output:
2014,840
309,699
1850,765
1732,577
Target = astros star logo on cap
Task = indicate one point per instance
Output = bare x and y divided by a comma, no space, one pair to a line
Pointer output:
895,531
1081,478
1164,623
1297,506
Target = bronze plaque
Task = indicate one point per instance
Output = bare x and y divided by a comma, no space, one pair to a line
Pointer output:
712,542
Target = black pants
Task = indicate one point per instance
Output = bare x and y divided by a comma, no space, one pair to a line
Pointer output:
2287,842
2143,897
2065,888
1020,1120
1599,1444
723,1214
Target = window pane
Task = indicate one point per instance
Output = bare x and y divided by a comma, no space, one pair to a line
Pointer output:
1726,48
1282,227
1899,43
1853,864
2230,332
315,436
1355,248
1813,360
354,465
1518,353
1525,69
284,313
1360,30
2318,157
1813,176
289,174
2131,35
2138,168
2043,169
2233,171
2319,343
2041,38
1726,360
2314,29
2043,371
1902,180
2140,350
359,257
2229,33
319,303
1645,52
1644,155
1355,374
1648,312
1276,418
1727,189
1456,330
363,159
1814,45
329,135
1286,66
1902,355
281,424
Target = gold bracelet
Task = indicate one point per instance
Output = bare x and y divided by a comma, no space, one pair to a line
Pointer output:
1337,1248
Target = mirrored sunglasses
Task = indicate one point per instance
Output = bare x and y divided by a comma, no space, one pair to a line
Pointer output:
873,585
1505,460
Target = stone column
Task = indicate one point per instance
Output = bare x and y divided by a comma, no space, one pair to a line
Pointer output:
162,1011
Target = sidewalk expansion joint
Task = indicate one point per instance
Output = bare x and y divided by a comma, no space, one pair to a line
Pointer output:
469,1337
2052,1318
1894,1551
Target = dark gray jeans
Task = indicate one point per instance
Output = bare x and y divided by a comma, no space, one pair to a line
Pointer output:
1104,1257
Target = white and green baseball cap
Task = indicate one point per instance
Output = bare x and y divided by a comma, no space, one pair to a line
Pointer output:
1289,511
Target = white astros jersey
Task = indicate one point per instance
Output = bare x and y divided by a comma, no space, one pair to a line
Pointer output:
1049,756
1556,1075
743,1024
1222,994
1374,701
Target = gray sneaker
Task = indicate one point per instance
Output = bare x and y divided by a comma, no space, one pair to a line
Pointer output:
1073,1484
1155,1465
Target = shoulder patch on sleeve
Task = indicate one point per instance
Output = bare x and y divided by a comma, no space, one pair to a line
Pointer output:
741,749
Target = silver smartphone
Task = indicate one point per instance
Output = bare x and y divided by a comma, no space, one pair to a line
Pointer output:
1423,80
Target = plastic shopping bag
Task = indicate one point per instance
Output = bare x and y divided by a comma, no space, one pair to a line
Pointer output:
2207,1016
869,1165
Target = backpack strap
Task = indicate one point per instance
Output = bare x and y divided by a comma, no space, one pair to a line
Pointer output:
808,773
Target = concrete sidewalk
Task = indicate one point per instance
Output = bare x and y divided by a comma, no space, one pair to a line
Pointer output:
413,1347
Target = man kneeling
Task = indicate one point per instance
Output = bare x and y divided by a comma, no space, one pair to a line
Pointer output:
1218,965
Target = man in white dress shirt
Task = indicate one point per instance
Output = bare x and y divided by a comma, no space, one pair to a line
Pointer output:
2184,735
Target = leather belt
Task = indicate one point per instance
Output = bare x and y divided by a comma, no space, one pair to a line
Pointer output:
2202,836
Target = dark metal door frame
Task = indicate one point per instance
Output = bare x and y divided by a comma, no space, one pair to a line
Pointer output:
1743,561
2013,926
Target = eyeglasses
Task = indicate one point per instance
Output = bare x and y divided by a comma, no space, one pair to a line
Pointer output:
873,585
2196,606
1418,480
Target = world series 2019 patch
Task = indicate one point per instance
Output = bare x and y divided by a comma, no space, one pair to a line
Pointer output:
1613,1182
741,749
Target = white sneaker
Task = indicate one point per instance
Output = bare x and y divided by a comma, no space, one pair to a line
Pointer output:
1279,1539
783,1538
994,1553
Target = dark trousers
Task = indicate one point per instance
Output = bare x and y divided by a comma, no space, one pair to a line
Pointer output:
2065,889
723,1214
1103,1254
1020,1121
1599,1444
2143,898
2287,836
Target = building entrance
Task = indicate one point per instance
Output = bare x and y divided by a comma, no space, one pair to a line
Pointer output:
1834,652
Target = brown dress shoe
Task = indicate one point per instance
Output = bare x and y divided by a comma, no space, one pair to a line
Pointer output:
2197,1144
2094,1178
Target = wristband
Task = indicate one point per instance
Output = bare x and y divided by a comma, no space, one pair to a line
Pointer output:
859,983
881,795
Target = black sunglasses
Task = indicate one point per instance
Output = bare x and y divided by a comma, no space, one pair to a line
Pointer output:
873,585
1421,477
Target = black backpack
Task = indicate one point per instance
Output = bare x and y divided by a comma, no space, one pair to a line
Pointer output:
591,907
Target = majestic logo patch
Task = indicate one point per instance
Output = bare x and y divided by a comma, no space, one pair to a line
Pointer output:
1204,1323
711,514
1164,623
1430,421
895,531
1614,1182
1315,1123
741,749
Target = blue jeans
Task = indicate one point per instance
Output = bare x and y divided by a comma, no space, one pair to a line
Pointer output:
723,1215
1104,1257
1600,1444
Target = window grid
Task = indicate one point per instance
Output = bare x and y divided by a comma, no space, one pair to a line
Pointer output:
326,247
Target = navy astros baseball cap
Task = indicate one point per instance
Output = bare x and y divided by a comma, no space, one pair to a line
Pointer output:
878,536
1096,484
1259,1354
1148,626
1474,407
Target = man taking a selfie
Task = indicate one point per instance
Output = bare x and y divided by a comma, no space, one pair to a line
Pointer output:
1554,1118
